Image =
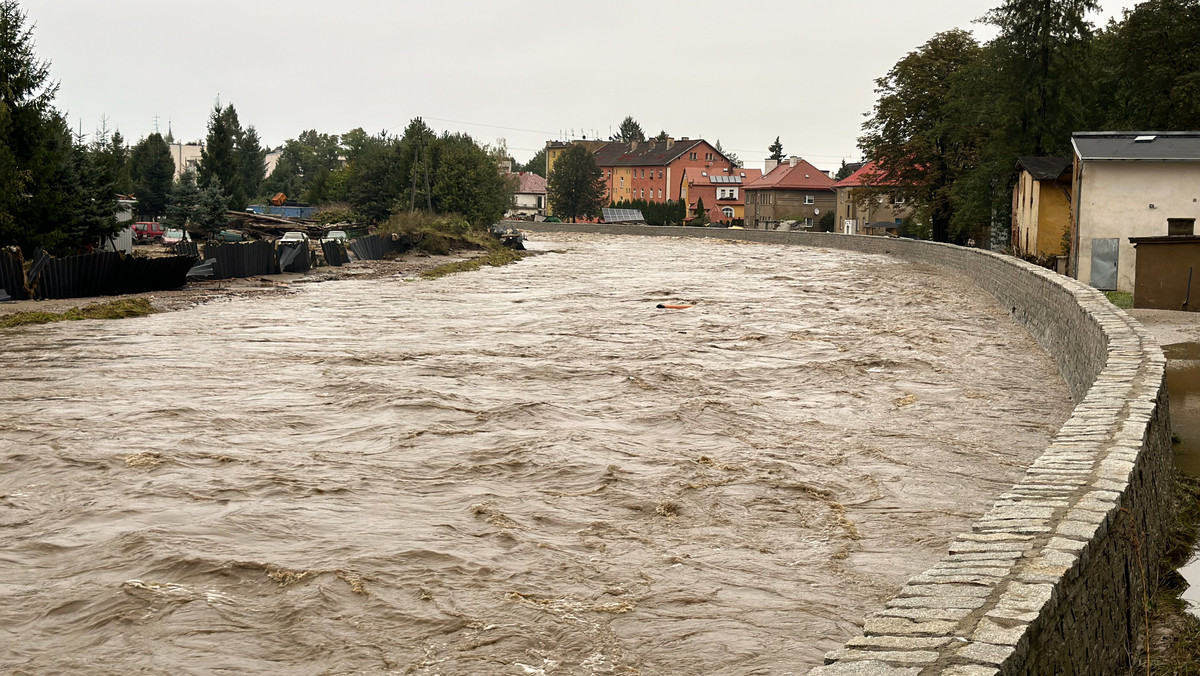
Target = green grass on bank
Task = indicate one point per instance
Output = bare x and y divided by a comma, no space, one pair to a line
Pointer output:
495,258
1121,299
117,309
1174,631
441,234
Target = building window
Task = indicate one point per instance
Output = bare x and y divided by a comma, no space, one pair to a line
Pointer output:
660,173
622,183
643,173
691,156
728,211
809,199
900,200
660,193
643,193
808,222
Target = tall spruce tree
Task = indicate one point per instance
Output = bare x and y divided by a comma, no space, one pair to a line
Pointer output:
219,160
629,130
152,171
252,169
776,150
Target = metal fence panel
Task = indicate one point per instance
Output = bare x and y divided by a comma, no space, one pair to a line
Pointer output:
241,259
12,275
335,252
293,257
369,248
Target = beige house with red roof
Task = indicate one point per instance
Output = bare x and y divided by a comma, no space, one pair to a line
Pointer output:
529,200
793,191
863,211
721,191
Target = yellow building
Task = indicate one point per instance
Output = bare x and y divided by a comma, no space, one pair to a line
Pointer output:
1041,208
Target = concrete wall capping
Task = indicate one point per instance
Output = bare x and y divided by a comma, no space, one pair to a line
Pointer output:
1050,579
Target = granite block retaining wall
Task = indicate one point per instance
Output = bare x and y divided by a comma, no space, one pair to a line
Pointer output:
1053,579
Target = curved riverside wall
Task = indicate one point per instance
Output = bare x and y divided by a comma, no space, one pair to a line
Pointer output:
1053,579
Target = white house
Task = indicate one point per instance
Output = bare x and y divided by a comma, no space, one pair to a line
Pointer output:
530,198
1127,184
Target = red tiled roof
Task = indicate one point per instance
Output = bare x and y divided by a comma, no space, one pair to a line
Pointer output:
803,176
868,174
531,183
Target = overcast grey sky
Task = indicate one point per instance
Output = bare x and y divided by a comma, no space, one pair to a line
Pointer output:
524,70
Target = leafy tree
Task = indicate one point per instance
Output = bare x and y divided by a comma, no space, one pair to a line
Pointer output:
1149,67
468,182
536,164
219,159
728,155
151,172
826,223
211,214
251,157
662,136
776,149
629,130
183,201
912,134
575,187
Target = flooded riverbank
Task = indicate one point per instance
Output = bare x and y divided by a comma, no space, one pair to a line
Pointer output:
524,470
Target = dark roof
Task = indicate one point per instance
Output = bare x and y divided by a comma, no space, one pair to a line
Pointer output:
1176,146
647,153
1044,168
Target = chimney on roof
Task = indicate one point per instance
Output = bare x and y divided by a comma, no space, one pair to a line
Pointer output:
684,138
670,142
633,144
792,161
769,165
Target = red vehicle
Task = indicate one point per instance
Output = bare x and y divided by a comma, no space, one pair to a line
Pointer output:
148,230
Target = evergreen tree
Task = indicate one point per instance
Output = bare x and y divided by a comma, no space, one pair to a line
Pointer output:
252,169
184,199
728,155
210,214
219,160
468,182
151,171
629,130
776,150
701,218
575,187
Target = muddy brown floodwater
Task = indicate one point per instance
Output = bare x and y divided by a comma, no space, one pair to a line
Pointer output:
523,470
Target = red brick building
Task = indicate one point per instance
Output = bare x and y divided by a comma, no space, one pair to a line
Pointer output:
652,170
720,190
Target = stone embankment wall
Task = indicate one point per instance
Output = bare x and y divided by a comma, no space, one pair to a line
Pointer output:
1053,579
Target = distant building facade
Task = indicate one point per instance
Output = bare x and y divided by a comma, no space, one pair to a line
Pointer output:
863,209
1128,184
721,192
793,191
1041,206
529,200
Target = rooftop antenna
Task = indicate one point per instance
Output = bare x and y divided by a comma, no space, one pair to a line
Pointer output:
155,124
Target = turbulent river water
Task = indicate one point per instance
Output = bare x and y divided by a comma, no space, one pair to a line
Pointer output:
522,470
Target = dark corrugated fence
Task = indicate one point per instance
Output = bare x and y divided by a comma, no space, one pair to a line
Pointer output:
293,257
335,252
369,248
241,259
12,275
104,273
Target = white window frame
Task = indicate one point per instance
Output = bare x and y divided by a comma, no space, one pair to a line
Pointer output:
810,199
